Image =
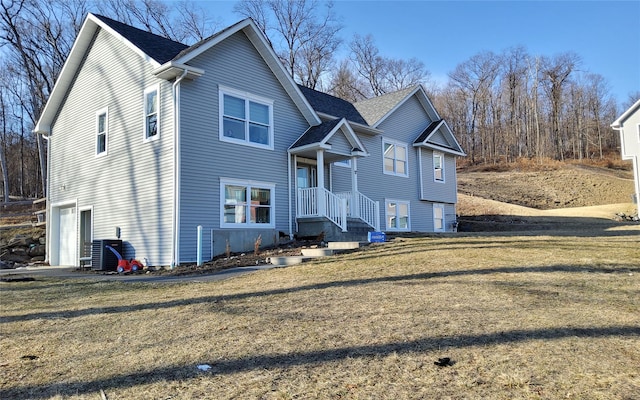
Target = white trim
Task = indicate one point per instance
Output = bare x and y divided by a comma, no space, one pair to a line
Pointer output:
343,163
145,134
100,112
247,97
420,173
442,170
248,184
618,122
444,222
54,230
395,143
386,215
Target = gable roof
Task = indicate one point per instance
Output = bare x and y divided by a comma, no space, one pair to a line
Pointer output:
318,136
617,124
331,105
167,57
427,139
377,109
157,47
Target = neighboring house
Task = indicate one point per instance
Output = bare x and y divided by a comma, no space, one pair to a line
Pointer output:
629,126
149,139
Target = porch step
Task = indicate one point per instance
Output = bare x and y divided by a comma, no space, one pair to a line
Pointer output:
318,252
343,245
285,261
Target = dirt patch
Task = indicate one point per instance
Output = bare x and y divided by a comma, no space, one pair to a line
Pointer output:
566,186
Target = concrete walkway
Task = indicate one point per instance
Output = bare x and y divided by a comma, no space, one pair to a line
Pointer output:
72,273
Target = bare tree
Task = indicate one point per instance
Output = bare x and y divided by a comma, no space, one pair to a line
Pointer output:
556,72
304,36
474,79
346,85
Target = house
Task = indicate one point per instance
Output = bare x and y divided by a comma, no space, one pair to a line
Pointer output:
185,150
629,126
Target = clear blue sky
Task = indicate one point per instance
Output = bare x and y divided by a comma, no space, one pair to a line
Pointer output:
443,34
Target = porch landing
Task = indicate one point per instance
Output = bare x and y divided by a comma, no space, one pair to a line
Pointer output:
318,227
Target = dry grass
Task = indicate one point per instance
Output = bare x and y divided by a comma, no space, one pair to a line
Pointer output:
522,317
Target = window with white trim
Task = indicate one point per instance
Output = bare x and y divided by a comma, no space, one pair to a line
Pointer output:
151,113
438,218
247,204
395,157
397,215
102,131
438,167
246,119
343,163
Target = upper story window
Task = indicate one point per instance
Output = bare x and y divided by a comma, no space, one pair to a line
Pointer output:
246,119
247,204
438,167
102,131
151,113
395,158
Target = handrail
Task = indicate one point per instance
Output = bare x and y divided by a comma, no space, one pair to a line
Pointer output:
363,208
319,202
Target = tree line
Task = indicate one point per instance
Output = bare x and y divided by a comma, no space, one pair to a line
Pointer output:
500,106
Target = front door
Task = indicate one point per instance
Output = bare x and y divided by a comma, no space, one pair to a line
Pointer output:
306,176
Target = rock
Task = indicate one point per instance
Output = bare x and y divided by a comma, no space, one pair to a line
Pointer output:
37,259
6,264
37,250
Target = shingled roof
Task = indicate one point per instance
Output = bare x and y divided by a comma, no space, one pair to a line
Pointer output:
331,105
377,107
315,134
157,47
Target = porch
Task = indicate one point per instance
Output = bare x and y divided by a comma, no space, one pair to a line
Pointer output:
338,216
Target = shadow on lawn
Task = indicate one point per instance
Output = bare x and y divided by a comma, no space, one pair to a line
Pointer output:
621,268
269,361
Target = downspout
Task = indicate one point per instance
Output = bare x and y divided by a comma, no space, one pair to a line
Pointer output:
175,250
289,188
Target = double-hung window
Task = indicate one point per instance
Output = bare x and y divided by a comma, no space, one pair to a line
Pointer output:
438,167
397,215
395,157
102,131
151,113
246,119
247,204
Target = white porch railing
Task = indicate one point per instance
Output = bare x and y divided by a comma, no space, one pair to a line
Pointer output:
319,202
360,206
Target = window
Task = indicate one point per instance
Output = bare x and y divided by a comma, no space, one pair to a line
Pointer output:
343,163
102,129
395,157
438,217
247,204
246,119
397,215
151,117
438,169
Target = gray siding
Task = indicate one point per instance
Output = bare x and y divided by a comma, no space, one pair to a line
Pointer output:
236,64
441,192
339,143
404,125
130,187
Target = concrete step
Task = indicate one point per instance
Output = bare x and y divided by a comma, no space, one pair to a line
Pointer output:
343,245
319,252
285,261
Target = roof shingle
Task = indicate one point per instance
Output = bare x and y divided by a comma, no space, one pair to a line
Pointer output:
157,47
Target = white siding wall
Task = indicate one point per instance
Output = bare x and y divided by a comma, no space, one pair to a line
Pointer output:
236,64
130,187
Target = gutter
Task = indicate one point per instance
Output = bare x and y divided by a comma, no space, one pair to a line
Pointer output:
175,247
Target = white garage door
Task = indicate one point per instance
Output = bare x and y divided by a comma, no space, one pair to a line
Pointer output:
67,236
